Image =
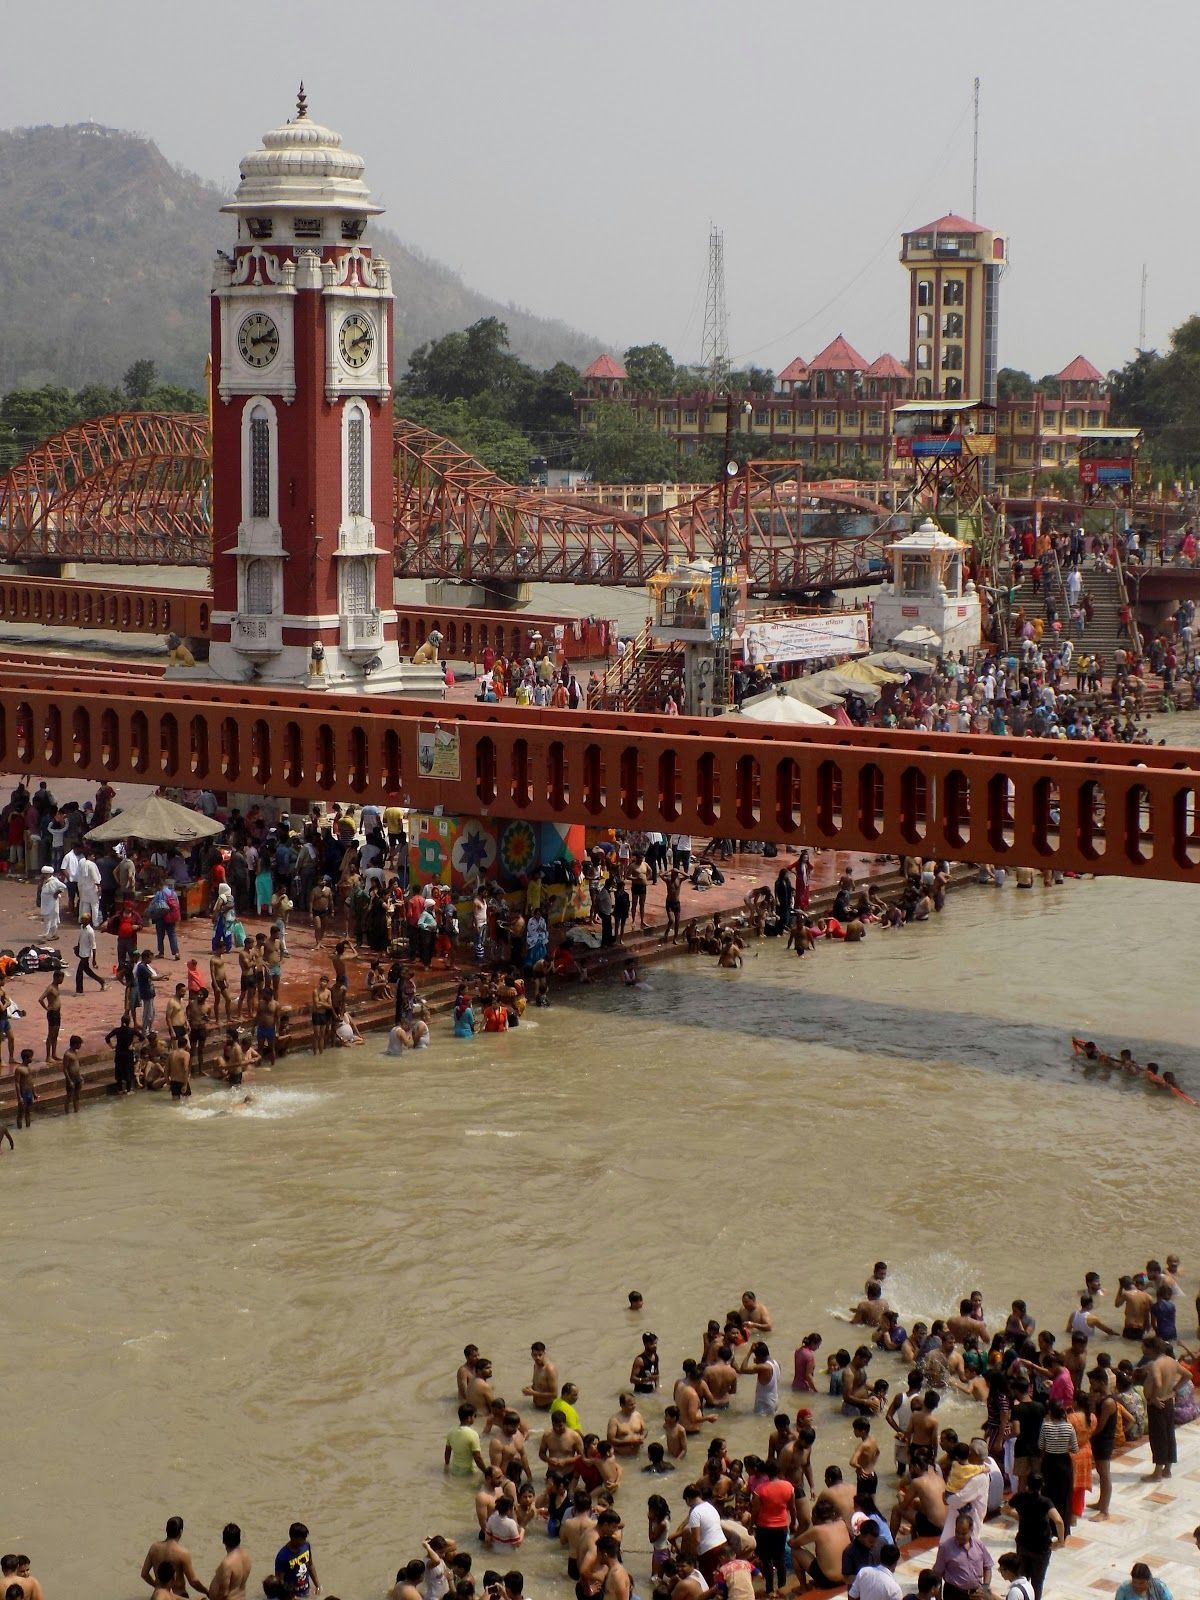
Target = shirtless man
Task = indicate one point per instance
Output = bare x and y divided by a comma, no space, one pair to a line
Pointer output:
795,1467
578,1531
50,1001
410,1583
23,1086
627,1428
467,1371
320,904
231,1577
170,1549
560,1445
196,1017
689,1585
493,1486
480,1393
755,1316
220,987
965,1324
923,1423
544,1385
721,1376
265,1022
273,957
175,1017
233,1059
817,1551
615,1582
179,1072
162,1582
1137,1302
856,1388
869,1311
72,1074
690,1395
248,981
1162,1375
16,1574
506,1448
920,1508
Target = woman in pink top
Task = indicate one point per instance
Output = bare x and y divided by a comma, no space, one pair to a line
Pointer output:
805,1360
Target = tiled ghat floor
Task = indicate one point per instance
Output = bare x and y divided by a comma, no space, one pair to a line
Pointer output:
1149,1522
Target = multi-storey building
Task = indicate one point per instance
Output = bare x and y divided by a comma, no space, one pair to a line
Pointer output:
835,411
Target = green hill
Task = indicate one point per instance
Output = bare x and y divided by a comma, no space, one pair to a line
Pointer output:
106,254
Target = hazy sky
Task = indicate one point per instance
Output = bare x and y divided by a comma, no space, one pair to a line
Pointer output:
570,157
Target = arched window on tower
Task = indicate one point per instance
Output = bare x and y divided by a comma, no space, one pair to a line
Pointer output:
356,494
260,600
260,464
356,593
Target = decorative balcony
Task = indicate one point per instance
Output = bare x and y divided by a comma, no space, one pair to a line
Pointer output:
362,633
255,634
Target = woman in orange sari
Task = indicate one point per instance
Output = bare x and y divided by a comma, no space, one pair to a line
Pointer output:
1080,1418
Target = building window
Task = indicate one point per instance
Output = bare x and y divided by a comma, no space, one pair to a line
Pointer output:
924,291
689,418
1072,419
873,452
1025,419
259,588
850,419
670,417
874,421
952,324
353,227
924,389
307,227
921,241
783,419
710,417
356,580
762,419
259,227
1095,419
1024,452
924,357
356,495
829,419
260,465
804,419
804,450
924,325
953,292
1050,451
953,388
952,357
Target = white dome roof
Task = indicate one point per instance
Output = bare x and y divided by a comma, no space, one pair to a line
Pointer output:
303,164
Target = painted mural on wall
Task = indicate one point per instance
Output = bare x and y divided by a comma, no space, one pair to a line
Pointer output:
462,851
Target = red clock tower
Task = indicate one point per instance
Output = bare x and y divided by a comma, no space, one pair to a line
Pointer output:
302,428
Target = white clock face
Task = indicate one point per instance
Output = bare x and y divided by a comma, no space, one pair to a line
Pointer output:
356,340
258,340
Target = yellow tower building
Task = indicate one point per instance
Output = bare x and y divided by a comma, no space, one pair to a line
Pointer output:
953,294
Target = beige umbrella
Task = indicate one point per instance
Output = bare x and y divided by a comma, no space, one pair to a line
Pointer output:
810,691
897,661
158,821
775,707
866,672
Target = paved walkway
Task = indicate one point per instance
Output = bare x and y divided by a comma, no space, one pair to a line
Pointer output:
1150,1522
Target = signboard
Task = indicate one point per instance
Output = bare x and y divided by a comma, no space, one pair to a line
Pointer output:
714,603
1098,469
941,446
807,638
438,754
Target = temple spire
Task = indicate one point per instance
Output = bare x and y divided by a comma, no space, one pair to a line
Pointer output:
301,104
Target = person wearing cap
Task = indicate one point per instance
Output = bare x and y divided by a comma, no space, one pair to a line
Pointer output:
50,892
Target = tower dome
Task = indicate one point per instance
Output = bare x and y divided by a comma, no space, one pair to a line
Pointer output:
302,164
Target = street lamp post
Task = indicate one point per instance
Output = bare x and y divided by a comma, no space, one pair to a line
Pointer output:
722,689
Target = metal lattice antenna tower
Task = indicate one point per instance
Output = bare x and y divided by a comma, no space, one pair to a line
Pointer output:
714,352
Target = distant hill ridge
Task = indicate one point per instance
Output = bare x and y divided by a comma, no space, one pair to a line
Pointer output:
106,254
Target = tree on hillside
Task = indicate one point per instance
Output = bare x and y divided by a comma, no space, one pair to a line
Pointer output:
138,381
469,366
649,369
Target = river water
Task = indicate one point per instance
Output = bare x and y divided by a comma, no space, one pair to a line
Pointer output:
259,1315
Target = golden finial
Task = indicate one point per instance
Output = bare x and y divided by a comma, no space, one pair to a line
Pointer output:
301,104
